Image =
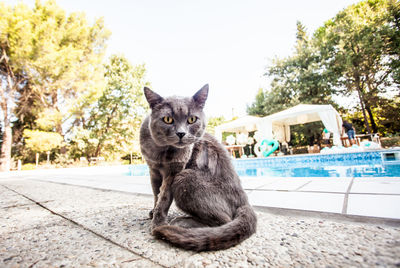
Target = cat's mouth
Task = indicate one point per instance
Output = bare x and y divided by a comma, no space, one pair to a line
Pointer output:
181,144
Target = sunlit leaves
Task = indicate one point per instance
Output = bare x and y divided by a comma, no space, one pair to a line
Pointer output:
41,141
111,126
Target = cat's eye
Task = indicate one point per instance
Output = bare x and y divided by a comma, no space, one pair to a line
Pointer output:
168,120
192,119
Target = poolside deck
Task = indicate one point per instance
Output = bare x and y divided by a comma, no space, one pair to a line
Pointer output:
371,197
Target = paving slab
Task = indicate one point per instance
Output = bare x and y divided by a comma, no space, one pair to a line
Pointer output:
28,216
127,187
338,185
77,201
62,244
130,227
138,179
31,236
118,183
327,202
10,199
287,184
386,206
73,181
376,185
256,182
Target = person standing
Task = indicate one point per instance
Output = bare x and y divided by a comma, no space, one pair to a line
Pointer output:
349,129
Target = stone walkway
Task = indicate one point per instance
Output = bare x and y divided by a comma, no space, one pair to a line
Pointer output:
52,224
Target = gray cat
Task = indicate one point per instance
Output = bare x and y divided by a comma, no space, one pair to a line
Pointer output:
191,167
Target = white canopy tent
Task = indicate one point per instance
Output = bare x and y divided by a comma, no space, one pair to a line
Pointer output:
277,126
244,124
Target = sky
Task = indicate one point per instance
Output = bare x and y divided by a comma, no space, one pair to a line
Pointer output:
186,44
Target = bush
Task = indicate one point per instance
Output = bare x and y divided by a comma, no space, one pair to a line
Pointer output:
62,160
300,150
390,141
28,166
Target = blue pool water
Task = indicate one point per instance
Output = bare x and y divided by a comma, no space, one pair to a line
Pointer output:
325,171
360,164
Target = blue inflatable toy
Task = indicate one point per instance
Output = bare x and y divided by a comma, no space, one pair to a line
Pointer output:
261,148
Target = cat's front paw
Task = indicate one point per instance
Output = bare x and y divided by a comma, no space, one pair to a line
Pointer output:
155,224
155,228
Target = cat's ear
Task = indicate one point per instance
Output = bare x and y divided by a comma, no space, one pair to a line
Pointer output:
201,96
152,97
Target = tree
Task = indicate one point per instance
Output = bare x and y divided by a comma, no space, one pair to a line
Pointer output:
358,46
113,122
295,79
213,122
354,54
11,77
258,106
48,59
267,102
41,141
394,39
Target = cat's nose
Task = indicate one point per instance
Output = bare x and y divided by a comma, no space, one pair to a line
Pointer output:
180,134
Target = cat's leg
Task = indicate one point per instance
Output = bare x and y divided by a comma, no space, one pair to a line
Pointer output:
165,197
164,202
156,181
195,194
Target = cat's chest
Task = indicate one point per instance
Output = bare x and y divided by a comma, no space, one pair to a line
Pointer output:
166,156
169,161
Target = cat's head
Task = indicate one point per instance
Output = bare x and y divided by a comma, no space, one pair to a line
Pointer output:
177,121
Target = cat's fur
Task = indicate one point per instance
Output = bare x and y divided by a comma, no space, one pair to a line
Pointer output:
195,170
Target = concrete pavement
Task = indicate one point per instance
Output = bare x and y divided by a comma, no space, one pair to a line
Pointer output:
53,224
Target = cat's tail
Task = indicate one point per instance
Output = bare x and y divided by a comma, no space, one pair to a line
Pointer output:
211,238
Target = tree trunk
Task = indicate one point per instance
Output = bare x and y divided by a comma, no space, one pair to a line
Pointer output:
6,92
97,152
360,96
6,148
371,118
54,99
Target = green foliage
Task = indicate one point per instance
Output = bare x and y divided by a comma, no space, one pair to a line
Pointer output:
394,39
41,141
271,101
390,142
306,134
84,143
49,63
213,122
48,119
259,106
59,55
28,166
296,79
112,126
355,54
62,160
357,45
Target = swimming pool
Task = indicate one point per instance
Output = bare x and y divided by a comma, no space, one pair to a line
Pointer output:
356,164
